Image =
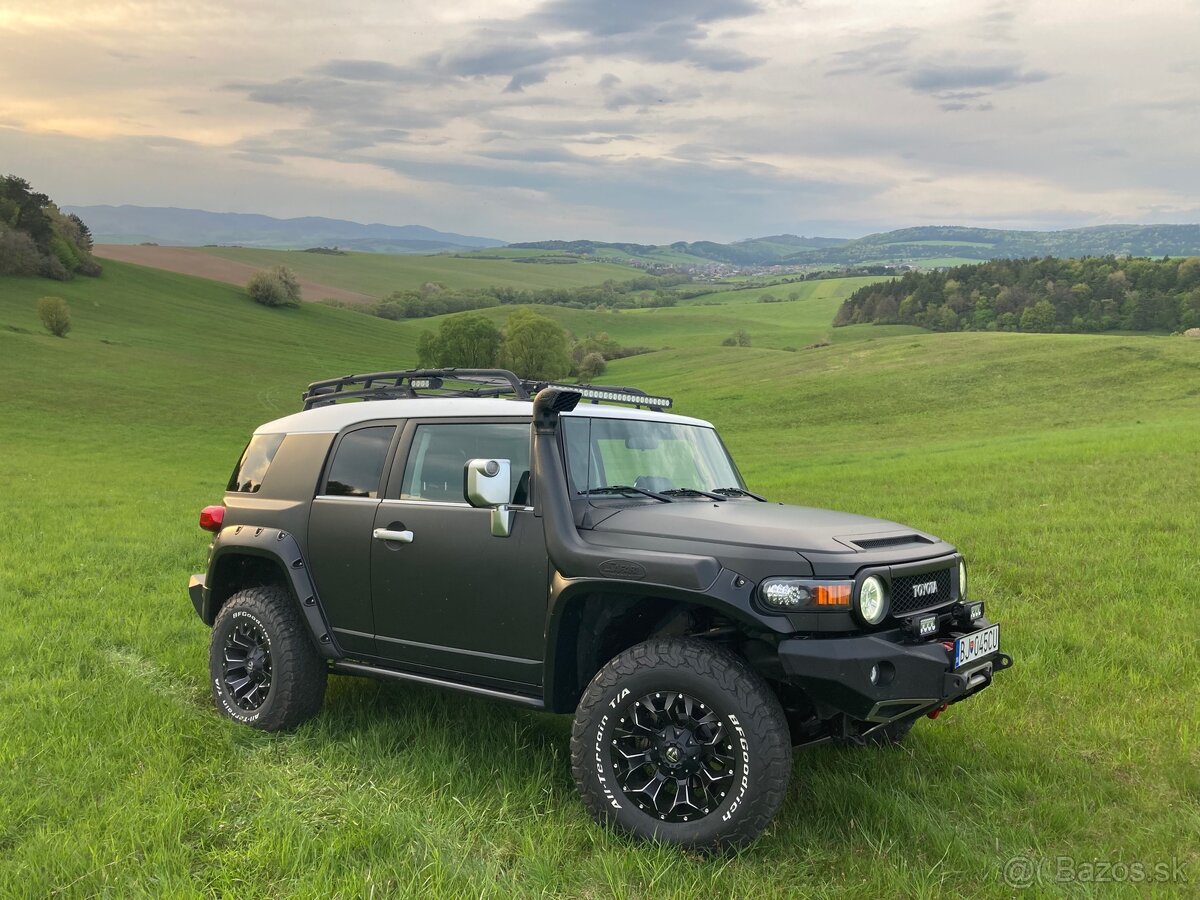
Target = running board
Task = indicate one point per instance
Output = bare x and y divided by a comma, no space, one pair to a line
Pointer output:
353,668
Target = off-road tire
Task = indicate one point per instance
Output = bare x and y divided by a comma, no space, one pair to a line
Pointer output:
743,704
298,674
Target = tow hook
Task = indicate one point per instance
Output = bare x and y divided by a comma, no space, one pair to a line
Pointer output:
934,713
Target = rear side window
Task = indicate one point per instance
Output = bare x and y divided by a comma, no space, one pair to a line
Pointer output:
358,462
252,467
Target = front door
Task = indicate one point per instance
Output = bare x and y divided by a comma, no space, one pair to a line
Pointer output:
449,596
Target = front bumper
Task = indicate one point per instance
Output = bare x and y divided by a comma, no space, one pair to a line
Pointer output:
913,677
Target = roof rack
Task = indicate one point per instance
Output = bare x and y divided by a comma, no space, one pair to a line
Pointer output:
414,384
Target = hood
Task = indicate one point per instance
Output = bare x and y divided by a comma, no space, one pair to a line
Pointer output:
748,523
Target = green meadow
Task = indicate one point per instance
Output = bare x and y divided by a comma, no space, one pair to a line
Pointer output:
1067,468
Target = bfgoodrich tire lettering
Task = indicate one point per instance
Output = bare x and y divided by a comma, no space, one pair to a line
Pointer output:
259,630
667,702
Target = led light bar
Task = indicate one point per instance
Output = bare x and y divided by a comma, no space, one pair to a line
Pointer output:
615,396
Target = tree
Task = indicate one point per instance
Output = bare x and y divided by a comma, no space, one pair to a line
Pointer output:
277,286
592,367
535,346
428,350
1039,317
55,315
470,341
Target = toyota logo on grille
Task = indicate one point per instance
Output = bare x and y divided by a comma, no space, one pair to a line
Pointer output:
926,589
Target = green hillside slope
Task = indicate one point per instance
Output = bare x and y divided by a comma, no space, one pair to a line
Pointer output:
1064,466
379,274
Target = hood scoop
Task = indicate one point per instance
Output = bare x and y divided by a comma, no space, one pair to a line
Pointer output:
891,540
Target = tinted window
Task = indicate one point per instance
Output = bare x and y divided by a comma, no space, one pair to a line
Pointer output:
440,452
358,462
256,459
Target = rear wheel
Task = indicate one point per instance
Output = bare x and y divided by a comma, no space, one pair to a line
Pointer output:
264,669
681,741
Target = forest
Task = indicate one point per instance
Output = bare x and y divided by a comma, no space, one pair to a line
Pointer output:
1041,295
38,239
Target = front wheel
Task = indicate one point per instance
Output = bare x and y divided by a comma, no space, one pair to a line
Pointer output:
679,740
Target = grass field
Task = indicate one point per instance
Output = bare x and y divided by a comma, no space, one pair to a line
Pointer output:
707,320
378,274
1064,466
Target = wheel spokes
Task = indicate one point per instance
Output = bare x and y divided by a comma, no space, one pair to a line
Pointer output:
671,756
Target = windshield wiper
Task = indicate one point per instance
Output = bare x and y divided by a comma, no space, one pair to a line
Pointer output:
625,489
739,492
696,491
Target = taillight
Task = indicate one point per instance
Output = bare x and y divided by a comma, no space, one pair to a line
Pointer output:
211,518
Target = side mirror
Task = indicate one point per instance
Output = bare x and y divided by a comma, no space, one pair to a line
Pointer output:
487,484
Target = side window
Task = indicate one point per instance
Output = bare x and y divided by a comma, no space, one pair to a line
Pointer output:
252,467
434,470
358,462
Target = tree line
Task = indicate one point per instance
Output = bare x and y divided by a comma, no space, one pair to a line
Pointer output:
1045,295
434,299
36,238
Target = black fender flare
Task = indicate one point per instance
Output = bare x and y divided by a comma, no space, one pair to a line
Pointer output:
283,550
729,594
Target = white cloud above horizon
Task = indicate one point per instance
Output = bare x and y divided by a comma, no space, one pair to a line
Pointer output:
704,119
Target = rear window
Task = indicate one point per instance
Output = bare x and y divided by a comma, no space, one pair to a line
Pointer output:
252,467
358,462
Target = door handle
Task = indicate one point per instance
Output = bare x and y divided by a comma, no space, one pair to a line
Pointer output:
399,537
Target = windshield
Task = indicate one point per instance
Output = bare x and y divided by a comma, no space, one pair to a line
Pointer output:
651,456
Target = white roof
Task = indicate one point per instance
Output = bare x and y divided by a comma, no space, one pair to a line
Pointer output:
332,419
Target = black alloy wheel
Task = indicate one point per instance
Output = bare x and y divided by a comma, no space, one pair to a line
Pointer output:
247,665
672,756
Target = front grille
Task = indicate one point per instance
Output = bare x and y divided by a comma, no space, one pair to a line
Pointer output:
905,600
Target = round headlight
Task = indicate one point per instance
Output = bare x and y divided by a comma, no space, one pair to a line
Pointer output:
962,579
872,600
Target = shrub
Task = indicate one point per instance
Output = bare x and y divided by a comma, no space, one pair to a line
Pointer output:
740,338
55,315
18,253
274,287
592,366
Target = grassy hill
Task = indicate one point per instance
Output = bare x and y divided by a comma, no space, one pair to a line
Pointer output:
707,320
378,274
1064,466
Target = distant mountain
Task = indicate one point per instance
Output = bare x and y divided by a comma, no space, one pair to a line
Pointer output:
196,227
946,242
937,245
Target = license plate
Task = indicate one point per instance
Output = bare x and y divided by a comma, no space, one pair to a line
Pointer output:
976,646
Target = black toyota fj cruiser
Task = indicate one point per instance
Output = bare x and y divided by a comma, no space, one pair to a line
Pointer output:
494,536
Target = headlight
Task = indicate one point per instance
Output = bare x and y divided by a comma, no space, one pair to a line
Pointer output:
962,579
872,600
790,594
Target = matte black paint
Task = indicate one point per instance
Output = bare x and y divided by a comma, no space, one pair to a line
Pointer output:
465,609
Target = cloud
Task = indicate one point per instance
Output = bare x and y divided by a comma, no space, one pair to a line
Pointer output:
940,79
618,96
887,54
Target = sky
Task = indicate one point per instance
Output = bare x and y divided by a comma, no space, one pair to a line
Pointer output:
635,120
